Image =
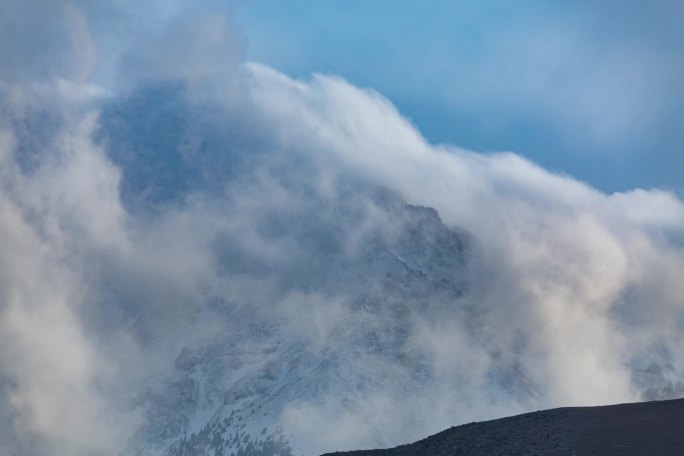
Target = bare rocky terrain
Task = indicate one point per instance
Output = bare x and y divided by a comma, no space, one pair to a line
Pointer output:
645,428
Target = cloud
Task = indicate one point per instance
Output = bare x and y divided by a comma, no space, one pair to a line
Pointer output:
561,260
583,77
44,39
199,194
191,50
51,365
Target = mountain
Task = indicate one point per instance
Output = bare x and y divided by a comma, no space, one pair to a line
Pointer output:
639,429
294,383
251,388
331,361
323,311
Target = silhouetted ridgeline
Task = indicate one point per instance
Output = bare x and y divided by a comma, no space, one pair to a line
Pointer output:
641,429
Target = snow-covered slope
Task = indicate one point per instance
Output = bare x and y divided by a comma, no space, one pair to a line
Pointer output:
256,388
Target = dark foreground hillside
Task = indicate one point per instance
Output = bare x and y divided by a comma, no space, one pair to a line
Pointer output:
641,429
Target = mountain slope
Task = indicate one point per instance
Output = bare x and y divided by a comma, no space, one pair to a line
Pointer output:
254,387
640,429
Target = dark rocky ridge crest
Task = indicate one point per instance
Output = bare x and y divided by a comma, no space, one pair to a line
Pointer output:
639,429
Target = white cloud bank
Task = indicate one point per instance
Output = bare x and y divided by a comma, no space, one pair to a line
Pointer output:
571,286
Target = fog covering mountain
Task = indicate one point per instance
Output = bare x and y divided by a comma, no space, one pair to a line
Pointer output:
202,255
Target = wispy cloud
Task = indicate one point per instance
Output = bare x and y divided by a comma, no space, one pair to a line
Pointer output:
577,86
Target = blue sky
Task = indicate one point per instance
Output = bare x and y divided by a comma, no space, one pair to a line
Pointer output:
589,90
